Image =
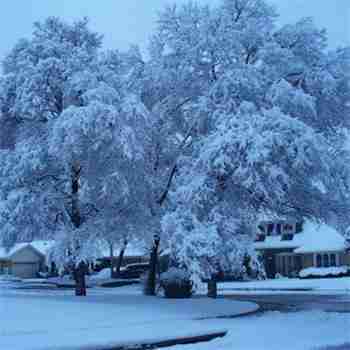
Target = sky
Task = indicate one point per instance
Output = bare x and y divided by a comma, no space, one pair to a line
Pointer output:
125,22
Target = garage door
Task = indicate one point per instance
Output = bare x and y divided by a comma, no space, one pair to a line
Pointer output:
25,270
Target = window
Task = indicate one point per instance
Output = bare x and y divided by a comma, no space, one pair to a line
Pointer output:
269,228
285,264
318,260
333,260
278,229
325,260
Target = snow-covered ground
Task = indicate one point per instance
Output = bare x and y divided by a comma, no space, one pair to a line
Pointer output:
55,319
306,330
317,285
32,320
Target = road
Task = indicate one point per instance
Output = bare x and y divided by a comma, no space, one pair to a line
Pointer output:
296,302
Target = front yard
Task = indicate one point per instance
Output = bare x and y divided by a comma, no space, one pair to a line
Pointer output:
54,319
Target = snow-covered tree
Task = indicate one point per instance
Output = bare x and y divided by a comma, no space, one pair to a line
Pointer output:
261,142
77,170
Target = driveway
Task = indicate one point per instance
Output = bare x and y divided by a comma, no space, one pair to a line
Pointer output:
296,302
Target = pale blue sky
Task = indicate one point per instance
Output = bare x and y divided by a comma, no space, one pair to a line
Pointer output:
131,21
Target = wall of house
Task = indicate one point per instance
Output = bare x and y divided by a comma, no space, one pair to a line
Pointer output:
307,260
272,266
344,259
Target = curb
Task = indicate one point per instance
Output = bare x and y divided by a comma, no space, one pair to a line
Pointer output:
242,314
170,342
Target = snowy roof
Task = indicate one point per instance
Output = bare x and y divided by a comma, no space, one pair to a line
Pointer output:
314,238
40,246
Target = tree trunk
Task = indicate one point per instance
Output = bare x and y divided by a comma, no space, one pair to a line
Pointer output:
120,258
151,280
76,216
212,289
79,269
111,254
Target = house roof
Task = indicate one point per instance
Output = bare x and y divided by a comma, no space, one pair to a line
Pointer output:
314,238
41,247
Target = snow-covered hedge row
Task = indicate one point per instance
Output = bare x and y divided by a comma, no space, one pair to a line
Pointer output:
324,271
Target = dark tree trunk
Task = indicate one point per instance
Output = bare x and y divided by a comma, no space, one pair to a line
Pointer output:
111,254
212,288
76,216
120,259
79,271
151,280
79,275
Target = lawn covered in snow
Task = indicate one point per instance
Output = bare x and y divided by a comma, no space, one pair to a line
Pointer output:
57,320
52,319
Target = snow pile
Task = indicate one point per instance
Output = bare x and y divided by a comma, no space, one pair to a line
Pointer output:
104,274
324,271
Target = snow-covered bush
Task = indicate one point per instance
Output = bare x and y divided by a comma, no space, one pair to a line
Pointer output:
317,272
176,283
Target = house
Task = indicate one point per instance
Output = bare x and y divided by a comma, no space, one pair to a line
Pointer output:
24,260
287,247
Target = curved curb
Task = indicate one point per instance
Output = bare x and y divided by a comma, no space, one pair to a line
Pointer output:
242,314
171,342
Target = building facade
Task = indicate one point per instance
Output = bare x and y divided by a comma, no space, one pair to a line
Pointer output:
286,248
